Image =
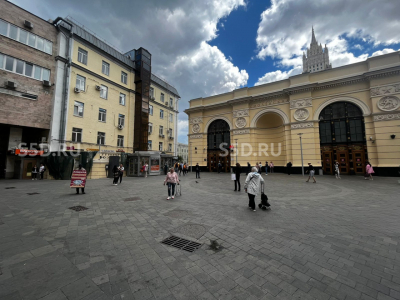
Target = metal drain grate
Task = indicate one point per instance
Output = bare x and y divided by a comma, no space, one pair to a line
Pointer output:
132,199
10,187
33,193
78,208
180,243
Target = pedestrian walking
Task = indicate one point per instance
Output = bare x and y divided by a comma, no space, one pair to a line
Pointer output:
197,169
266,168
369,171
337,172
115,175
248,170
219,167
83,179
146,169
252,186
41,171
35,171
171,180
271,167
238,170
165,169
120,172
180,169
260,167
289,167
184,169
311,172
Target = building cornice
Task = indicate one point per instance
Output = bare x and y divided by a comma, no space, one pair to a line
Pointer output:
163,106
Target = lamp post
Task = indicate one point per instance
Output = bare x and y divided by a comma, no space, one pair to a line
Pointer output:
301,151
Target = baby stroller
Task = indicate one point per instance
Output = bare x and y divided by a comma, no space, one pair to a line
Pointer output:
264,205
178,190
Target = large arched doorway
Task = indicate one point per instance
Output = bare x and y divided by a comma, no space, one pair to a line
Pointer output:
342,138
270,138
218,142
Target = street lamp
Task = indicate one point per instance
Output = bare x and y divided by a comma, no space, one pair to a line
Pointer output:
301,151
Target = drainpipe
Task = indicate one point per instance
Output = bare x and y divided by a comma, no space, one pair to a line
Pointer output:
68,49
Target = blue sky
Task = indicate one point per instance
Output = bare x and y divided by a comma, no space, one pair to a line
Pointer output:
209,47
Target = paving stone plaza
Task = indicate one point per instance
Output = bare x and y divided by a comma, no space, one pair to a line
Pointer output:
336,239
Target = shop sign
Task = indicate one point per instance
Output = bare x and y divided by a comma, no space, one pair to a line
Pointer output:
120,150
155,168
28,152
88,149
78,179
70,147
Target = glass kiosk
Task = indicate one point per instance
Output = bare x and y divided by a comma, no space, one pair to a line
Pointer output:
154,159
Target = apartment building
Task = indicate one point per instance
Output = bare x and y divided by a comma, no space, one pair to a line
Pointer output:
28,47
183,151
163,116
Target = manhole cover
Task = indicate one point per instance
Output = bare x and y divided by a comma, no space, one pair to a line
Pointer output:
10,187
78,208
132,199
178,213
33,193
180,243
193,230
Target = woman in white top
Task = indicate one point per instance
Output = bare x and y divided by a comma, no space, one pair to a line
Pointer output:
121,172
252,186
337,172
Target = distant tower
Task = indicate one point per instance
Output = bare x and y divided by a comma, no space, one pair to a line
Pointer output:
317,58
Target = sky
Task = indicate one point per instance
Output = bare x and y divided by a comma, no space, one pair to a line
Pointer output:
208,47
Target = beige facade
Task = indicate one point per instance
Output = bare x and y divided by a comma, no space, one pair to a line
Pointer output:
275,114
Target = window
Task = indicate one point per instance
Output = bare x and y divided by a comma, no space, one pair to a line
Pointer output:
76,135
1,61
25,37
150,110
150,145
105,69
161,130
45,74
9,63
170,132
102,114
122,99
162,97
160,146
80,82
20,67
101,138
169,147
124,77
120,141
151,93
171,102
37,73
28,69
103,92
78,109
150,128
161,114
121,120
171,118
82,56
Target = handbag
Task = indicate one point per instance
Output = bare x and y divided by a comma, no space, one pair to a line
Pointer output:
233,176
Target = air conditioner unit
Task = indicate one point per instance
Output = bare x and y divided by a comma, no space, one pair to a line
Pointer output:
11,84
120,127
171,137
98,88
77,90
46,83
28,24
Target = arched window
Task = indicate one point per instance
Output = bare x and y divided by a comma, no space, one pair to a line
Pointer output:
341,122
218,132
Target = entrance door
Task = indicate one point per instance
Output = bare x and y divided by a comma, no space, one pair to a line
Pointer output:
327,162
342,154
359,161
27,171
214,157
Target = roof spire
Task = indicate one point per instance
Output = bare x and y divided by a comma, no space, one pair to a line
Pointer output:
313,40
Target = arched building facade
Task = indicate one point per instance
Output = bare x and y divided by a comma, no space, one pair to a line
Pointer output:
349,114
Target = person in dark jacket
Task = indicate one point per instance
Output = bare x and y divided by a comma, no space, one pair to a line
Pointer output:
238,170
35,171
165,169
289,167
115,175
311,172
197,169
248,168
219,167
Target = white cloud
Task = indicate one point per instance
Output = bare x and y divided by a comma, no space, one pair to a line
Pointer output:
175,32
285,30
278,75
384,51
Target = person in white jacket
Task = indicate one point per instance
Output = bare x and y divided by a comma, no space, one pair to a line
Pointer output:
252,186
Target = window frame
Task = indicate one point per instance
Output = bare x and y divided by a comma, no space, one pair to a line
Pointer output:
105,68
161,114
83,108
151,92
151,109
150,128
124,75
160,146
84,56
162,96
80,77
120,141
170,132
171,102
171,118
121,117
149,144
161,130
102,89
76,133
124,97
99,137
169,147
102,113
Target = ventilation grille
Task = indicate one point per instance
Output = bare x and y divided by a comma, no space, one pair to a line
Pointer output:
181,243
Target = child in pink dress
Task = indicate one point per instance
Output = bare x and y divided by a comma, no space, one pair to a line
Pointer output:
368,172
